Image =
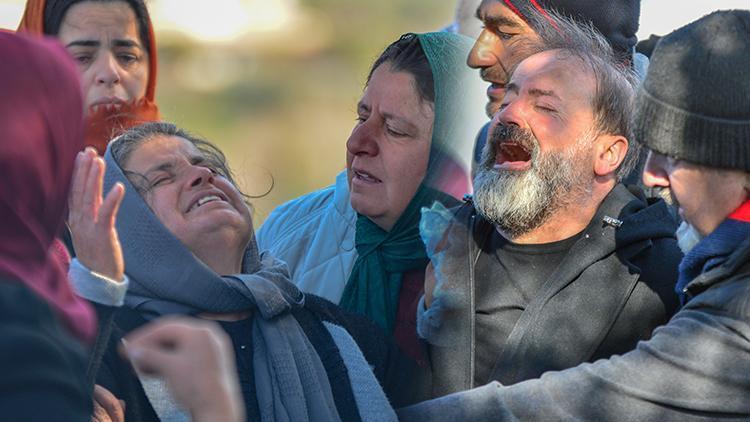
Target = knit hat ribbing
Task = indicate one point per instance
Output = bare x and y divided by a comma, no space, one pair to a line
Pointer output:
695,101
617,20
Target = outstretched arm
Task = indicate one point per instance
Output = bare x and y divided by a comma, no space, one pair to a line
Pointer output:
694,368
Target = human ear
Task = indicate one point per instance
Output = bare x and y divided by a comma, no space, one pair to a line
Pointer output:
610,151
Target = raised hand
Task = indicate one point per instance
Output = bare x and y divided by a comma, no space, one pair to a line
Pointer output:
92,220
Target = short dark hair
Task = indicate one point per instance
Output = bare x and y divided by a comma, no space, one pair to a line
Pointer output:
55,11
406,55
124,145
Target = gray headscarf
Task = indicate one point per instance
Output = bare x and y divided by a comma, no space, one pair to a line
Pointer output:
166,278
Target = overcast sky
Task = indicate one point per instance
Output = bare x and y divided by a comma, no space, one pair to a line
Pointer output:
663,16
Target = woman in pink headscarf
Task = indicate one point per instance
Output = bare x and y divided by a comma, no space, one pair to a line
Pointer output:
43,325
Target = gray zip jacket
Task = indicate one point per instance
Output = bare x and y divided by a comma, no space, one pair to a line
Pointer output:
615,286
695,368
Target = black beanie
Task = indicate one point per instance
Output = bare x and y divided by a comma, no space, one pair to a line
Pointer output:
694,104
617,20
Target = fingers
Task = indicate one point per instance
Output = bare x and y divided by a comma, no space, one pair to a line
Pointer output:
92,191
99,414
87,176
87,189
108,210
151,360
153,347
170,329
109,403
98,181
80,175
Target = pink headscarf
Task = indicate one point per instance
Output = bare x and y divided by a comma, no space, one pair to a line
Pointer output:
41,130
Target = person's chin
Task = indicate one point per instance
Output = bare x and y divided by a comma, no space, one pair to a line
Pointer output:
220,215
366,205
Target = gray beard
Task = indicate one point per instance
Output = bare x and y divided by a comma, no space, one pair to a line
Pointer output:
519,202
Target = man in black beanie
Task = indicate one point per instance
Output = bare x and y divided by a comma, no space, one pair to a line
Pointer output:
693,112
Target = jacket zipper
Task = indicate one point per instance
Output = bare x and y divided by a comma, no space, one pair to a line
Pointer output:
472,307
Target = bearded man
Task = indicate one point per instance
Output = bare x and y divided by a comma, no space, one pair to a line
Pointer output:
511,29
553,262
695,121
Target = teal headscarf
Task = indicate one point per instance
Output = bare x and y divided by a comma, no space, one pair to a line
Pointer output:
383,257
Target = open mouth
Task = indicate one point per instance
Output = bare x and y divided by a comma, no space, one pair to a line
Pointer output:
205,200
365,177
512,156
107,103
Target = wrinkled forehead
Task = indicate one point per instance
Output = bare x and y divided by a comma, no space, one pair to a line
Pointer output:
89,18
559,71
158,150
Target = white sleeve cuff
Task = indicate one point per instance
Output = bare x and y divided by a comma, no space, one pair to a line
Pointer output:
95,287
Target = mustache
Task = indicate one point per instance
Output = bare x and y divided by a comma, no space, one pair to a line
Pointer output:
513,134
496,73
668,196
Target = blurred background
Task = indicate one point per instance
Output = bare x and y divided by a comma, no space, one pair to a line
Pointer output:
275,82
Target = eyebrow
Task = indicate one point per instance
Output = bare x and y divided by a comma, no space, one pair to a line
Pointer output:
125,43
83,43
388,116
170,165
511,87
496,20
160,167
410,127
534,92
96,43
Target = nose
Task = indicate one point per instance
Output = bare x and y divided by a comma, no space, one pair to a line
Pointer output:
363,140
107,70
654,172
200,175
485,51
510,114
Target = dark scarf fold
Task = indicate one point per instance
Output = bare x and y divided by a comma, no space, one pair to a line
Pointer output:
383,258
715,248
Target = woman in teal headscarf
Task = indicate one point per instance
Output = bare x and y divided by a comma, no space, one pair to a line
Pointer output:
357,243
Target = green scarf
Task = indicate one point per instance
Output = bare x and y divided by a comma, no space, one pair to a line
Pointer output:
375,282
383,257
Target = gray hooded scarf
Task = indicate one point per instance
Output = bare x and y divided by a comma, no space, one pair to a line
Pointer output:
166,278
